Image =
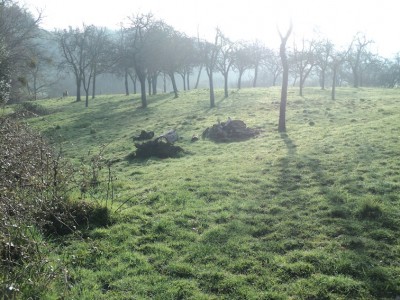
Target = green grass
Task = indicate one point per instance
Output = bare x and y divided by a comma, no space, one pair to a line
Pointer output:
310,214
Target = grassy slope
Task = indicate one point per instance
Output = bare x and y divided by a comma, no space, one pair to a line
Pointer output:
312,214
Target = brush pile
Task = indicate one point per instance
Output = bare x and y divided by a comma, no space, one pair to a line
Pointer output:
230,131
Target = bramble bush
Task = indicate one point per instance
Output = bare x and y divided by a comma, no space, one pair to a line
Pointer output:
35,182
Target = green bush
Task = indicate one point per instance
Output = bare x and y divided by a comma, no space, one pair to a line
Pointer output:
31,108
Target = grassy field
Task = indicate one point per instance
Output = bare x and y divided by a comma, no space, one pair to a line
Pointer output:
310,214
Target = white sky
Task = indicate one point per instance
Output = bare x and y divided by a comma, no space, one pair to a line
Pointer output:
338,20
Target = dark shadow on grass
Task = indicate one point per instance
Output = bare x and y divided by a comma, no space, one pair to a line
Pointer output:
355,228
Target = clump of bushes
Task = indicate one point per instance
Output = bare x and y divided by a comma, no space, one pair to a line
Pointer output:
35,183
31,108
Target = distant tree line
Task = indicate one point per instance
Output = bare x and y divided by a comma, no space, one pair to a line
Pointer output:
146,52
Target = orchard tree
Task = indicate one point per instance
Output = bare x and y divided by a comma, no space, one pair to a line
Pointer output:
273,64
285,78
390,77
336,59
242,60
96,57
40,74
72,43
303,60
360,44
102,54
323,52
225,58
123,66
210,56
187,59
138,41
258,53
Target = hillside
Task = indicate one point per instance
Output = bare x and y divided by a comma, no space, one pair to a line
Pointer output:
310,214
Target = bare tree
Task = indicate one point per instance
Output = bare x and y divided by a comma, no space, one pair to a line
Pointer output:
285,78
225,59
323,52
138,35
303,61
258,55
273,64
72,44
210,55
102,52
337,58
123,63
242,60
360,44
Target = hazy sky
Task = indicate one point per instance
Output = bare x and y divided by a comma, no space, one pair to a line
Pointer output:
338,20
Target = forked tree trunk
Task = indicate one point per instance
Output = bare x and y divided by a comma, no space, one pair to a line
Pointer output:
285,80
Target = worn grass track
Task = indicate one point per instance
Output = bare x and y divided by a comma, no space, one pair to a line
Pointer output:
310,214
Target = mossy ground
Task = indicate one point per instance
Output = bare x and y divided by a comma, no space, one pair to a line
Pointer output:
309,214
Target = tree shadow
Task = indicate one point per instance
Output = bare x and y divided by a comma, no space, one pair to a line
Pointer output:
356,235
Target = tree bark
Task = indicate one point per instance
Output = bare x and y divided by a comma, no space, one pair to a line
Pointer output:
212,96
226,85
133,78
172,76
198,77
285,80
78,89
94,83
142,80
255,76
333,93
164,84
149,84
184,81
239,85
154,84
126,83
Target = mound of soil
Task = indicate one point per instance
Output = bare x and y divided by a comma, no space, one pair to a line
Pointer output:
230,131
159,147
144,135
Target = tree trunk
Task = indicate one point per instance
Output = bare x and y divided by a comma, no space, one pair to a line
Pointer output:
274,79
94,82
154,84
184,81
172,76
198,77
239,85
333,94
126,83
87,99
285,81
187,82
78,89
94,87
226,85
149,84
212,96
255,76
322,79
301,84
355,76
164,84
142,80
